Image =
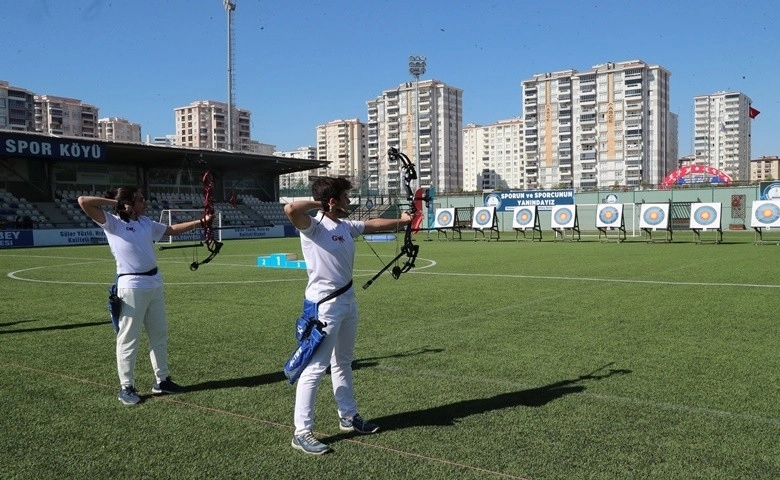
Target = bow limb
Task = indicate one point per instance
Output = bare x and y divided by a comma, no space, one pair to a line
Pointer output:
408,249
212,245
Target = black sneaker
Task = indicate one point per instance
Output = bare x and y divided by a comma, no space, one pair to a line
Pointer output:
167,386
357,424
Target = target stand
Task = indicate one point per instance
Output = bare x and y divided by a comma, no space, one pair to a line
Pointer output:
525,219
609,219
759,236
564,219
654,217
706,217
766,219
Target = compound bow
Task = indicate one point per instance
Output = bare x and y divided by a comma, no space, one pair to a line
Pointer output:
408,248
212,245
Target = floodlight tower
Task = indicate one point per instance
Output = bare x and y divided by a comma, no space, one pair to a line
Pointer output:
417,68
230,7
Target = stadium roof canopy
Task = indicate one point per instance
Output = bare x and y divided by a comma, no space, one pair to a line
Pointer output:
15,144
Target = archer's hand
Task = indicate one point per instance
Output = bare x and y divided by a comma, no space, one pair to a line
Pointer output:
406,218
207,218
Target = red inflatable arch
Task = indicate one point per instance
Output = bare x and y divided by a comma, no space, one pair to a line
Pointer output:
696,174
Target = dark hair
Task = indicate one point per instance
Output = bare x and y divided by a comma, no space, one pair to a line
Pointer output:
325,188
123,196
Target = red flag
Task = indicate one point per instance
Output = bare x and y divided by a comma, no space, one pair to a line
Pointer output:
753,113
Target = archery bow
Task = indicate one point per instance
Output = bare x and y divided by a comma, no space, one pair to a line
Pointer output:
408,248
212,245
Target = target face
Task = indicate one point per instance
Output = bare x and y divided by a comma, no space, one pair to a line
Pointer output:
705,215
563,217
483,217
766,214
445,217
654,215
524,217
609,215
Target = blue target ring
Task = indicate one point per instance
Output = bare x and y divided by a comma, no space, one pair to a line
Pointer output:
768,213
483,217
705,215
524,216
443,218
608,215
563,216
654,216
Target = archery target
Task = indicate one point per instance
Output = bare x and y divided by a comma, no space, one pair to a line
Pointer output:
445,217
766,213
524,217
563,216
654,215
705,216
609,215
483,217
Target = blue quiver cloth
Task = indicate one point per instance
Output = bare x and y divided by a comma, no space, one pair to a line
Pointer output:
114,306
309,333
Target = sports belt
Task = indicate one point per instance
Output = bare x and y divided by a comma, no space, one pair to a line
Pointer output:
148,274
336,293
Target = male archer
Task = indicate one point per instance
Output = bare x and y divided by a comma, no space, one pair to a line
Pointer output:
327,241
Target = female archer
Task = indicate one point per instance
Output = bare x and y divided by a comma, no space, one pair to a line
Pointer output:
131,236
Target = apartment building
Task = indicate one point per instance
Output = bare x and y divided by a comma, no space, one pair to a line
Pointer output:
343,144
17,108
203,124
606,126
299,180
65,116
721,130
765,168
119,129
493,156
436,130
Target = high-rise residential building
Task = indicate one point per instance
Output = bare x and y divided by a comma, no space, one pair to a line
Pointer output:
721,131
119,129
493,156
299,180
203,124
606,126
394,121
17,108
765,168
65,116
343,144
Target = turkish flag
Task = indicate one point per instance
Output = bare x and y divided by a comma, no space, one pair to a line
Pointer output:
753,112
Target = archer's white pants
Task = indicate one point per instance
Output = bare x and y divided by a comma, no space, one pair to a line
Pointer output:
337,350
141,307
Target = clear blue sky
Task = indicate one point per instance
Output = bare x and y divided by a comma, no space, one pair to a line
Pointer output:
303,63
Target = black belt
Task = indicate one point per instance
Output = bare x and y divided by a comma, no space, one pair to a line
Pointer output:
336,293
148,274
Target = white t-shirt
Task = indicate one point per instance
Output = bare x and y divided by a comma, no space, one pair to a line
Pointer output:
329,250
132,244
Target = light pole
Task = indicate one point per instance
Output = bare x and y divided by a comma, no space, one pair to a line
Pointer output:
230,6
417,68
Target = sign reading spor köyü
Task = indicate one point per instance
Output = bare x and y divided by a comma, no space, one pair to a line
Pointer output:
544,199
69,149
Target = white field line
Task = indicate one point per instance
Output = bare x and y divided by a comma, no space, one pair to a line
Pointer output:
600,280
